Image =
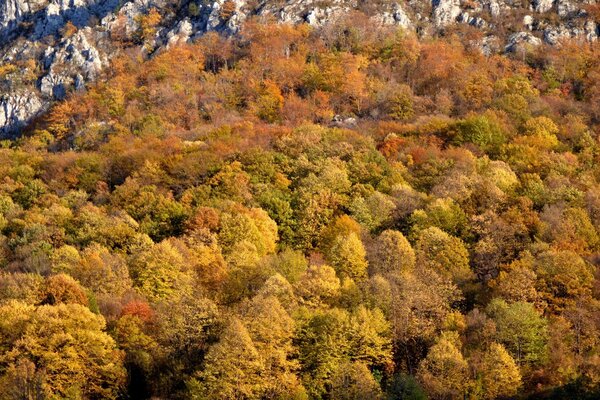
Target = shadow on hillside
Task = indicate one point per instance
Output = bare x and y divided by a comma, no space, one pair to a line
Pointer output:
38,25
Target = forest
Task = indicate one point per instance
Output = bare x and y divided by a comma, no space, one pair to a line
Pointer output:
300,213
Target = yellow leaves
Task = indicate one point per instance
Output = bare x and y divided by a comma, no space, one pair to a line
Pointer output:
113,100
67,342
269,103
478,91
63,288
227,10
233,367
59,119
444,372
7,69
69,29
347,256
161,272
252,226
147,24
189,60
500,375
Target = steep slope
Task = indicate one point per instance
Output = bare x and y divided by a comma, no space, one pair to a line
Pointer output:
48,48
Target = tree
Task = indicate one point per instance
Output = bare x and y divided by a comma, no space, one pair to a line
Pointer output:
318,285
401,105
68,346
232,368
147,24
340,226
499,374
62,288
187,326
392,254
417,306
97,269
251,225
161,272
517,282
329,337
444,254
521,329
373,211
483,130
370,338
141,350
444,372
289,263
354,381
27,288
23,381
347,256
541,133
272,331
158,214
277,286
269,102
562,277
405,386
441,213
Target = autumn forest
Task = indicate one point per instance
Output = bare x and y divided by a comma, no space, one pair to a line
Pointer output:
308,213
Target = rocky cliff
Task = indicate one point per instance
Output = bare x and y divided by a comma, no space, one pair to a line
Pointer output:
50,47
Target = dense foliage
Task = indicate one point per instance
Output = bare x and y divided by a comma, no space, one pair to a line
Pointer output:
297,214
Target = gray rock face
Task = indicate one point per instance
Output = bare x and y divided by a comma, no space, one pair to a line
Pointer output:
555,34
521,40
565,7
591,31
395,17
73,57
445,12
542,6
14,11
17,109
181,33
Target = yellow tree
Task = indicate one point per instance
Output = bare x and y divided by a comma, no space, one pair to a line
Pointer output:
232,368
347,256
444,372
67,345
499,374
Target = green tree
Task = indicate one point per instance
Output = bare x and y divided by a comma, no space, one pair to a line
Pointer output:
373,211
483,130
521,329
441,213
404,386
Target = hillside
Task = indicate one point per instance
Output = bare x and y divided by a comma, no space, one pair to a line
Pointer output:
51,47
202,201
